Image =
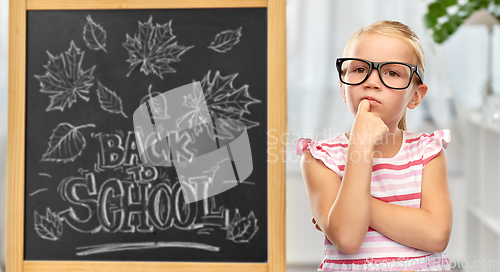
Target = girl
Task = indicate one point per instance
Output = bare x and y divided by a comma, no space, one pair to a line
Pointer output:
380,193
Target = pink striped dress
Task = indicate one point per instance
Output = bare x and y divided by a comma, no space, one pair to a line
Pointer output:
395,180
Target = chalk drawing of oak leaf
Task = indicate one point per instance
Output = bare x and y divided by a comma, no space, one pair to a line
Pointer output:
153,49
225,40
66,143
49,226
94,35
241,230
65,79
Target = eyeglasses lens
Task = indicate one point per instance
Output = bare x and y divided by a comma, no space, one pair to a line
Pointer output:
393,75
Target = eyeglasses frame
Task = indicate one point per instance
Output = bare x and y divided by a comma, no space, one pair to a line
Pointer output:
377,65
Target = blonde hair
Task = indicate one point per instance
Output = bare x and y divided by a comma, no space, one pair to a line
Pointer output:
397,30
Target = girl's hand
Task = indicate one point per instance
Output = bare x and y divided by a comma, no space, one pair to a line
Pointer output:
368,128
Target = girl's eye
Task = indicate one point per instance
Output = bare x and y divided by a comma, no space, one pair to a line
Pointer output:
392,74
359,70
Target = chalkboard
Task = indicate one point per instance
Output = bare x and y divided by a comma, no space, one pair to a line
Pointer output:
88,195
81,96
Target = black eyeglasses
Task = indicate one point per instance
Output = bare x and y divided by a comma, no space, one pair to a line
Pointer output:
394,75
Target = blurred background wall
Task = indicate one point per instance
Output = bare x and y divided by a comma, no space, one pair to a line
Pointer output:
317,32
4,29
459,73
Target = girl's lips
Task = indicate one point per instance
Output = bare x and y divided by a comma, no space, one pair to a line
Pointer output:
371,100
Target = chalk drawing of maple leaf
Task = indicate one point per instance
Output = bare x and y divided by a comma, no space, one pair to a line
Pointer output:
197,117
153,49
65,79
225,103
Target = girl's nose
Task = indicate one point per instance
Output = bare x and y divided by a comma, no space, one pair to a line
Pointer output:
373,80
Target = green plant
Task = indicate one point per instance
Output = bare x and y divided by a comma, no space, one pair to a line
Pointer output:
445,16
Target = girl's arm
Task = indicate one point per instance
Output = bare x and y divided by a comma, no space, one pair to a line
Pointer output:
427,228
342,209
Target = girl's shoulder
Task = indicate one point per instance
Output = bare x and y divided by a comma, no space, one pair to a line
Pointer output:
326,146
330,151
443,136
428,145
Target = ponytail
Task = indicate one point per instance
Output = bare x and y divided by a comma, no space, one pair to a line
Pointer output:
402,122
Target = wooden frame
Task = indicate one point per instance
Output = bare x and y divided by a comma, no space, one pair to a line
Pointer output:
16,137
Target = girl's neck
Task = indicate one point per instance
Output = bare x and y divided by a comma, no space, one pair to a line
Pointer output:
394,133
390,145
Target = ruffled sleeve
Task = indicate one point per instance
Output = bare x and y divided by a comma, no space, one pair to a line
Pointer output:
303,145
318,152
431,145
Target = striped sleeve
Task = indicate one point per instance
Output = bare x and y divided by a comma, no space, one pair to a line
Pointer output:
318,152
431,145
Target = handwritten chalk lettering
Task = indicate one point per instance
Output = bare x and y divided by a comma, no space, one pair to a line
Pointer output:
142,173
114,154
110,206
161,197
136,206
82,214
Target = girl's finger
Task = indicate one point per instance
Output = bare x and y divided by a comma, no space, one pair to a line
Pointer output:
313,220
364,106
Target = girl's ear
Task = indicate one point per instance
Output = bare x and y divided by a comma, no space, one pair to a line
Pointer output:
342,90
418,95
